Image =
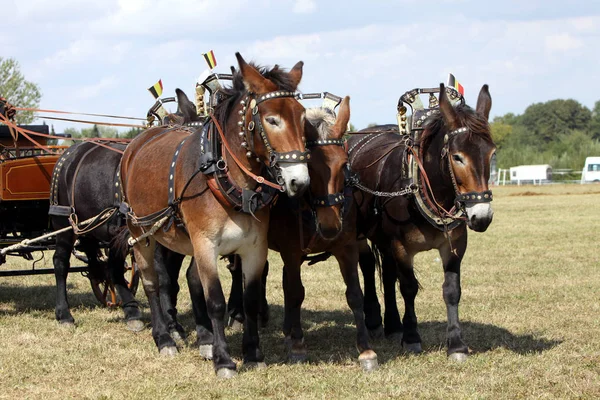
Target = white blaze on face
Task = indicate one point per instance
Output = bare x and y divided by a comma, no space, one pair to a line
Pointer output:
479,216
295,176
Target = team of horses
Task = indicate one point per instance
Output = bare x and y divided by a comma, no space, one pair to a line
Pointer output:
262,172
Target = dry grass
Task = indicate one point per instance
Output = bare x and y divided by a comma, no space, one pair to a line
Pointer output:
530,313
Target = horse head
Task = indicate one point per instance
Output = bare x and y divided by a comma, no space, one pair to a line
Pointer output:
272,123
328,167
469,148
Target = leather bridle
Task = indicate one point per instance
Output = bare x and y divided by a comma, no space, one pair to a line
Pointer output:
250,111
469,198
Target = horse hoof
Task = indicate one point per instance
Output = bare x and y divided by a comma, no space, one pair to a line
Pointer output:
254,365
226,373
297,358
135,325
66,323
206,351
368,361
369,365
236,326
413,348
458,357
377,333
168,351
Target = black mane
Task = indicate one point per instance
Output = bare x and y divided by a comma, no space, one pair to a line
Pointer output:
231,95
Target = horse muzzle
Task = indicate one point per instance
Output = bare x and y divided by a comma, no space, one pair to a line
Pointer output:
295,178
479,216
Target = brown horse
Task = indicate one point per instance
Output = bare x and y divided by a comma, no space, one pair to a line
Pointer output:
186,190
325,221
454,152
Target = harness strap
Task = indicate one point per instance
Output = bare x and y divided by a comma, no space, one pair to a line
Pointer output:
257,178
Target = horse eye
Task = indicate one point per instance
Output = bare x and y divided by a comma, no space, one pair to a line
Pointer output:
273,121
458,158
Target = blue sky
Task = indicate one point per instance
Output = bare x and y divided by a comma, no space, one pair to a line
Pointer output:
100,57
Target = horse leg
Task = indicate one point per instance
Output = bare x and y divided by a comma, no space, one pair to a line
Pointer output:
116,264
457,349
263,311
144,256
235,305
393,328
206,267
204,330
366,260
61,260
167,264
348,261
293,293
253,262
409,287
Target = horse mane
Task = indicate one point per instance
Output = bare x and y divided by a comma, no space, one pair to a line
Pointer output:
231,95
322,119
476,124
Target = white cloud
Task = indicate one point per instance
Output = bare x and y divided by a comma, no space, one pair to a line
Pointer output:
95,89
304,6
563,42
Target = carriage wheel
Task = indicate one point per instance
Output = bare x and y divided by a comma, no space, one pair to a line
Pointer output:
104,290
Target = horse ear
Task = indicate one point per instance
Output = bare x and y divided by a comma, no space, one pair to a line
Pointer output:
185,107
232,70
447,109
343,117
296,73
484,102
253,80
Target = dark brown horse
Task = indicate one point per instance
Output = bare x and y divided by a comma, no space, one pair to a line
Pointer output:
204,194
324,221
452,167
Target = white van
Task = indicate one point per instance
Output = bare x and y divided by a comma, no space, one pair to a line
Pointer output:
591,170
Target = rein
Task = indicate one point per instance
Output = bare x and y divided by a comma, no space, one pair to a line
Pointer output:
257,178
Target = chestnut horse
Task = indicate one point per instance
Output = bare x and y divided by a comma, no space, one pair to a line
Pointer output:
324,220
186,196
454,150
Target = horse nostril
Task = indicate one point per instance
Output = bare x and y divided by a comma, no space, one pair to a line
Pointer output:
293,184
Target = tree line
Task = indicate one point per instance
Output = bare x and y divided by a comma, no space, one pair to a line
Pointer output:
561,133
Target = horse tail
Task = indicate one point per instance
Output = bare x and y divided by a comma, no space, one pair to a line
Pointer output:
377,257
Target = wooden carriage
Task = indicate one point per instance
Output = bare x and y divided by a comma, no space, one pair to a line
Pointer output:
25,176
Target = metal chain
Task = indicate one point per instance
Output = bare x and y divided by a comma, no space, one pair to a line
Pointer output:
412,188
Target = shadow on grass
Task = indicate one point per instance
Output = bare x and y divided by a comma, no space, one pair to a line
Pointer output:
42,298
482,338
330,338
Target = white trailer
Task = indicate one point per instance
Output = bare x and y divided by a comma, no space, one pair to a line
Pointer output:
591,170
534,174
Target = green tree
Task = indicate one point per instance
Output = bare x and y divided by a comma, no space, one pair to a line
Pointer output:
546,121
18,91
594,126
500,132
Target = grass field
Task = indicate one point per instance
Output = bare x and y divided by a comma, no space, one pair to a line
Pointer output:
530,313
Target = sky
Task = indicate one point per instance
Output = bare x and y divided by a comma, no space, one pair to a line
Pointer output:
101,56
